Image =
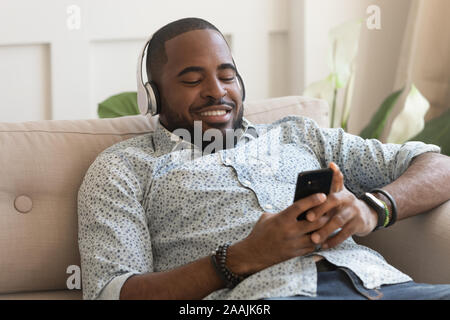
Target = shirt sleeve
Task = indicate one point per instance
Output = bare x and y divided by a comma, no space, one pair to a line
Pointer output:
365,163
113,236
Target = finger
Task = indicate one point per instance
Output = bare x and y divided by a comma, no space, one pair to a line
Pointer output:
337,184
333,201
306,227
302,205
346,232
339,220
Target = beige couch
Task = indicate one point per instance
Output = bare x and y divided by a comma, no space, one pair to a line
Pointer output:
43,163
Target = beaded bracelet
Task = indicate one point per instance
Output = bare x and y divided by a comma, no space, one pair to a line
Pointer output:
219,260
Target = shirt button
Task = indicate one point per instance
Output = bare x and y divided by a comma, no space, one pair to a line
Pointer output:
246,183
268,207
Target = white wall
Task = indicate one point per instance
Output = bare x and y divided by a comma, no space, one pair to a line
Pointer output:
48,71
51,69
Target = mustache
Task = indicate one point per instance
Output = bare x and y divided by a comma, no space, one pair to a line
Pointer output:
222,101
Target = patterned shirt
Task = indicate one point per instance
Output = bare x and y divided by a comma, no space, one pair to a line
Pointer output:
147,204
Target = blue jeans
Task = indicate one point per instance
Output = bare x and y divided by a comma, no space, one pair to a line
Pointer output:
343,284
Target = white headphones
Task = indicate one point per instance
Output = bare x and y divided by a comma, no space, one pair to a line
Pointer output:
147,93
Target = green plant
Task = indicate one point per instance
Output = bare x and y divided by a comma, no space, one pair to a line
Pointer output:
344,44
375,127
407,126
119,105
437,131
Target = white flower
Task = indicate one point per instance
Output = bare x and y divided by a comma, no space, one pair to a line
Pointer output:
410,121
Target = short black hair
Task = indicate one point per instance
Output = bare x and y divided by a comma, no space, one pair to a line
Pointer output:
156,52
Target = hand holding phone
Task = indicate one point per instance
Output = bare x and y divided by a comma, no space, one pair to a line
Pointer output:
311,182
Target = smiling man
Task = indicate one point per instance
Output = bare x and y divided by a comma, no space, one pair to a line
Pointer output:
200,83
156,224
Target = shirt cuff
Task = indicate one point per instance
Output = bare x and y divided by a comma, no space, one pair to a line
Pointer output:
410,150
112,290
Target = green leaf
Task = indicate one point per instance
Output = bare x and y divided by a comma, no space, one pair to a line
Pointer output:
119,105
410,121
375,127
437,131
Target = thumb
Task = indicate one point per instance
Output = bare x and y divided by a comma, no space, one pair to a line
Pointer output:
337,184
302,205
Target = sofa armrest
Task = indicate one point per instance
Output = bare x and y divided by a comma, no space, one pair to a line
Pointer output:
419,246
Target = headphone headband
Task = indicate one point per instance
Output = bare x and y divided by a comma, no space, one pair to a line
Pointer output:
147,98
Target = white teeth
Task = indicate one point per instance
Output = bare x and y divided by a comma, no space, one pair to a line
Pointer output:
213,113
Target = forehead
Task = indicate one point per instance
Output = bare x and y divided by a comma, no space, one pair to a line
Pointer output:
205,48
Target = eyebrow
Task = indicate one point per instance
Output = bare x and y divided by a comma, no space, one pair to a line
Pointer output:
227,66
223,66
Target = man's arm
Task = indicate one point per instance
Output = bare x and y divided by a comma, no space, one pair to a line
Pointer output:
423,186
192,281
274,238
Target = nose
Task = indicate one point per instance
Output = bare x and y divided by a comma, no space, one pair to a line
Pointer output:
214,89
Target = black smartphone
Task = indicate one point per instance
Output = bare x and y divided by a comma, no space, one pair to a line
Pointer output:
310,182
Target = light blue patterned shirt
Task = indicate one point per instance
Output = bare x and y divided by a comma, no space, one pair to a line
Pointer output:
147,205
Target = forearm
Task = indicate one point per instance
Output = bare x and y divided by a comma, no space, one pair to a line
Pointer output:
423,186
273,239
192,281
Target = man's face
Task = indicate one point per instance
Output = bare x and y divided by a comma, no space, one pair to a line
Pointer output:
199,83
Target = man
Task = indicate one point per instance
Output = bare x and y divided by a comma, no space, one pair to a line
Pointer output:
150,214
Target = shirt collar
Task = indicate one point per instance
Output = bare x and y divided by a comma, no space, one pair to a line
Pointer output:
165,141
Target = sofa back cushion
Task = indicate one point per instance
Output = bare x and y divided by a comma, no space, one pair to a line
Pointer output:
42,165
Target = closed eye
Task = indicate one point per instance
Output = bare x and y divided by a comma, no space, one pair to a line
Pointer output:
191,82
228,79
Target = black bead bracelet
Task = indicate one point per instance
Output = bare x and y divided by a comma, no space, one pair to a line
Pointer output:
219,260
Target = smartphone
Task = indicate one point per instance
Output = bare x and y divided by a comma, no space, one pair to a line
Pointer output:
310,182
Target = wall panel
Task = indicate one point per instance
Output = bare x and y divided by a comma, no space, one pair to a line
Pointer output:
25,82
112,68
279,64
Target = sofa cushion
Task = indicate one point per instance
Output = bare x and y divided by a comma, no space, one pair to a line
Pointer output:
267,111
42,166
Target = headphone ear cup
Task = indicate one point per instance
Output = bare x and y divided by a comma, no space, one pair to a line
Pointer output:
154,104
142,98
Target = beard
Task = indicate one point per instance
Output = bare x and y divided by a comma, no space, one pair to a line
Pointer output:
224,142
175,122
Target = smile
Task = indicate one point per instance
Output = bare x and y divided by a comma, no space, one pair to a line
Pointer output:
216,116
213,113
